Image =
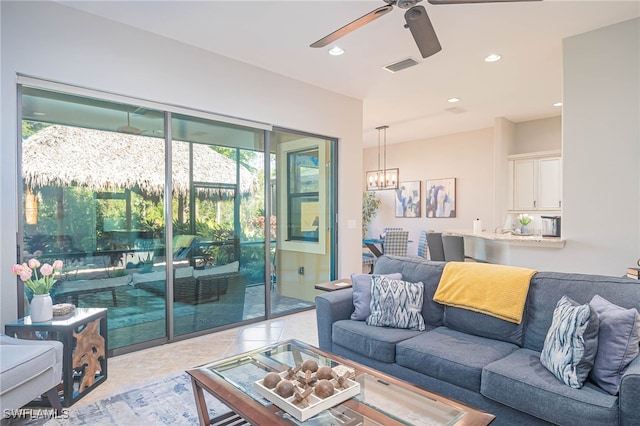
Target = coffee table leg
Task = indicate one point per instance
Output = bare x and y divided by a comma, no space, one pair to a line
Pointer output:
201,404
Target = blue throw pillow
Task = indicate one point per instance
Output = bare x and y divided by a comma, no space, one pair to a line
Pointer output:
396,303
361,284
618,340
571,343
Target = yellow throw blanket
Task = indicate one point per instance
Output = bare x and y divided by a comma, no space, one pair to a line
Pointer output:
496,290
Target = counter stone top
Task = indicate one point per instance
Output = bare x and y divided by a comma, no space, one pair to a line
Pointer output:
515,239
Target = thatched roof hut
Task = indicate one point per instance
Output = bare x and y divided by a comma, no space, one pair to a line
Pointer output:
108,161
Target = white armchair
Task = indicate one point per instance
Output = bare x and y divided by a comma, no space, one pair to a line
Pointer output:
28,369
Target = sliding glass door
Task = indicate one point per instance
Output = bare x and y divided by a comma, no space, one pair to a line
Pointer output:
175,221
94,181
219,269
305,209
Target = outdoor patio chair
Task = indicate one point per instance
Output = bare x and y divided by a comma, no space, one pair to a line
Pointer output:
182,246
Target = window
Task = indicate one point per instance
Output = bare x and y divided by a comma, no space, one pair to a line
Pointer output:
302,194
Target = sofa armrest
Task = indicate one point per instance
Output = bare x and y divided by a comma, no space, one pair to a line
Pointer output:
630,394
331,307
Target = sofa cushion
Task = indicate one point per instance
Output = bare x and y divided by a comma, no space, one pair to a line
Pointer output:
451,356
414,269
483,325
396,303
378,343
618,338
361,284
21,363
521,382
571,343
547,288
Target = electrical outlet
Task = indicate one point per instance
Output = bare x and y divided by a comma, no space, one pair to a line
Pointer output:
301,270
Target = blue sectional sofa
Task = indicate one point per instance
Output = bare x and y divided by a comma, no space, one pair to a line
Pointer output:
482,360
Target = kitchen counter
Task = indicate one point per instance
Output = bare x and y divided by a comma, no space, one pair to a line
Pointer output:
513,239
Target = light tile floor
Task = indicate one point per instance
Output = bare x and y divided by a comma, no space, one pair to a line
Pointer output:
132,370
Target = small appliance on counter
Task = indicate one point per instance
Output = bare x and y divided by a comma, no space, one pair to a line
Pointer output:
551,226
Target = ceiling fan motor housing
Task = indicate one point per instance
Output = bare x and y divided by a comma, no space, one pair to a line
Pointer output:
406,4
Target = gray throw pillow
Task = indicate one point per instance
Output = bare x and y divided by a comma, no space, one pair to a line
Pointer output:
571,342
618,340
361,284
396,303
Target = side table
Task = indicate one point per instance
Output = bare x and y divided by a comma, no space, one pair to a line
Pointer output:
84,336
334,285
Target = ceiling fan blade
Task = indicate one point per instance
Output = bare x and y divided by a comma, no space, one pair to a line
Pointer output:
352,26
472,1
422,31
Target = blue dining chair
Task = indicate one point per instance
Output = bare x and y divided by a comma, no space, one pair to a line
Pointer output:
453,246
385,230
422,245
436,249
396,242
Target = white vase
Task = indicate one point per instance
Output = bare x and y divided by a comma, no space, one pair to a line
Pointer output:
41,308
524,229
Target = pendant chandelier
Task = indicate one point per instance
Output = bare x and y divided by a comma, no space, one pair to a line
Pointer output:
382,178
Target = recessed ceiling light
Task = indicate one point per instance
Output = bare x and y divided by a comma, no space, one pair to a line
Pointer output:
492,58
336,51
453,100
557,104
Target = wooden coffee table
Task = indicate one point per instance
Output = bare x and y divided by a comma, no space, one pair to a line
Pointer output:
383,400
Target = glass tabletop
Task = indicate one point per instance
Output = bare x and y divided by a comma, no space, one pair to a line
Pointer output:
397,402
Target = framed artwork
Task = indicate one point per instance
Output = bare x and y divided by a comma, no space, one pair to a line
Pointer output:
408,199
441,197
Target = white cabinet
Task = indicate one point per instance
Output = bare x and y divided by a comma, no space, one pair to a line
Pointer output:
535,182
549,183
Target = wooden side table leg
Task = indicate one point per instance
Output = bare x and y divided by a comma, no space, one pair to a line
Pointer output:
201,404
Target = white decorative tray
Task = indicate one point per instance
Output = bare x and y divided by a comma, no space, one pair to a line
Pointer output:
315,404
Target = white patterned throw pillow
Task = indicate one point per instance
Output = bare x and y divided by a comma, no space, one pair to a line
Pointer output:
396,303
571,342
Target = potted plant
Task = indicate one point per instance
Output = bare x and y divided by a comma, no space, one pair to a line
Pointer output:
41,306
370,206
524,220
146,262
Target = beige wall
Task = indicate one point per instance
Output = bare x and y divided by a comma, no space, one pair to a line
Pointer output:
538,135
468,157
50,41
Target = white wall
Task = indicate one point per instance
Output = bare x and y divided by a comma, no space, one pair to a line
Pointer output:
601,155
468,157
50,41
600,141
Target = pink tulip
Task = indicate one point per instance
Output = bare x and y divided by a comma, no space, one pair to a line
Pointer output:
25,274
46,270
57,265
34,263
15,269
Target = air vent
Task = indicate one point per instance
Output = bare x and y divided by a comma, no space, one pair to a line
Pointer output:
456,110
401,65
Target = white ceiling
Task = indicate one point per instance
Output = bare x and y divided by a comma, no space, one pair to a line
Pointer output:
275,35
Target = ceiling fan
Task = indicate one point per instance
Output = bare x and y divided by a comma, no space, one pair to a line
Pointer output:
417,20
129,129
